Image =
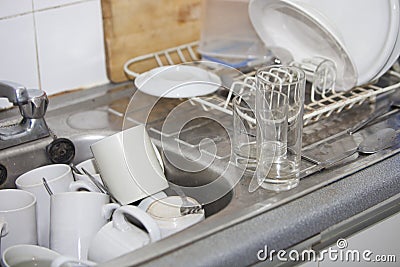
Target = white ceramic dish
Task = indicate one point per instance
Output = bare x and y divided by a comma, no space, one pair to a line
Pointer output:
178,81
368,28
394,55
306,34
166,213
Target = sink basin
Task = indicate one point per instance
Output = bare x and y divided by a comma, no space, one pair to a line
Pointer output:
20,159
194,184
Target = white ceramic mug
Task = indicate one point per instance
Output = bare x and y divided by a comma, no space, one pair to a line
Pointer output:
17,218
119,237
34,256
167,214
128,165
28,255
83,185
90,166
59,178
75,218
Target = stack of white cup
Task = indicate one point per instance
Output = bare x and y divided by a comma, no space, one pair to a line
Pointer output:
72,221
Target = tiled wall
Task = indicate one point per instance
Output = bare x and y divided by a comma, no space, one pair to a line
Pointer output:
55,45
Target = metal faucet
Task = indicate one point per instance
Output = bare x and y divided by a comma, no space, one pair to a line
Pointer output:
32,105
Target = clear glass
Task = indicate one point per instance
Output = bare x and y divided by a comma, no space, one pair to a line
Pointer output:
279,114
244,131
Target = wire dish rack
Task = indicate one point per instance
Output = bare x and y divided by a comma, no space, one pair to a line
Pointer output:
318,104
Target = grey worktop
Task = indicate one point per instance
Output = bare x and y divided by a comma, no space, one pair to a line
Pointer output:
294,222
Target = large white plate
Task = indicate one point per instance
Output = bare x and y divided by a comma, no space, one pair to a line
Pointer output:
281,23
395,53
368,29
178,81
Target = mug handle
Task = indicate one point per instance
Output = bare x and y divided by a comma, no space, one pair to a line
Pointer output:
81,184
59,261
108,210
3,228
122,224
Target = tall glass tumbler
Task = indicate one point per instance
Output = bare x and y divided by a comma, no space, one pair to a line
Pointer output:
244,131
279,114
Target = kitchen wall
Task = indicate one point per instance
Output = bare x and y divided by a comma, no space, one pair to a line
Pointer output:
55,45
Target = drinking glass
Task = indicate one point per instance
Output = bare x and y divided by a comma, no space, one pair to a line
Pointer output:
244,131
279,114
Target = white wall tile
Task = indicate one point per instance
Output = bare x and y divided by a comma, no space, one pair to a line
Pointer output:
43,4
18,61
71,47
13,7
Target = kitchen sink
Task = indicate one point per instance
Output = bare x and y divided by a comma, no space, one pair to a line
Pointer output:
211,177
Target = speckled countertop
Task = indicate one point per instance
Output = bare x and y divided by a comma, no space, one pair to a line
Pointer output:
294,222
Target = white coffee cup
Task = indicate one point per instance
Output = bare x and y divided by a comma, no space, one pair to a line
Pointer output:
59,178
17,218
28,255
90,166
128,165
75,218
167,214
83,185
33,256
119,237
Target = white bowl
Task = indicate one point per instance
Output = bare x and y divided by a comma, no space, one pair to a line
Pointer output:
305,33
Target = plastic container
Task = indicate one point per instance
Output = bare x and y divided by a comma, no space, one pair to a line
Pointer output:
227,31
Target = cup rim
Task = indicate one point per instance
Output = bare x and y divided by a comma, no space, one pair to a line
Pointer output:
32,203
21,180
92,159
117,135
60,194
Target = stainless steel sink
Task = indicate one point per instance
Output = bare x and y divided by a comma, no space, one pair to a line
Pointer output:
227,200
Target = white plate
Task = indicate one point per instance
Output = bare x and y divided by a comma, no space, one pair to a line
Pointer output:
178,81
281,23
368,28
394,55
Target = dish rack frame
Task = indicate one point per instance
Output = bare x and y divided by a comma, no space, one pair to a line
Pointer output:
320,105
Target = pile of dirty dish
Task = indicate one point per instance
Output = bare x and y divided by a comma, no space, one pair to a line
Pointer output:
95,211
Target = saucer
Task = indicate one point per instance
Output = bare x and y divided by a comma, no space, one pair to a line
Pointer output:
178,81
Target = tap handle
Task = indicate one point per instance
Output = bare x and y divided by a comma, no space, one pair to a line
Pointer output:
16,93
36,105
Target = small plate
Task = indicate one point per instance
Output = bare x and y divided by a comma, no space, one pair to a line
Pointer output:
178,81
306,35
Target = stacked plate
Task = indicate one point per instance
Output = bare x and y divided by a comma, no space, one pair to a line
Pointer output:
362,37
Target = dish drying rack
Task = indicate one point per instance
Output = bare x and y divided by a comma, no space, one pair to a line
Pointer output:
319,105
